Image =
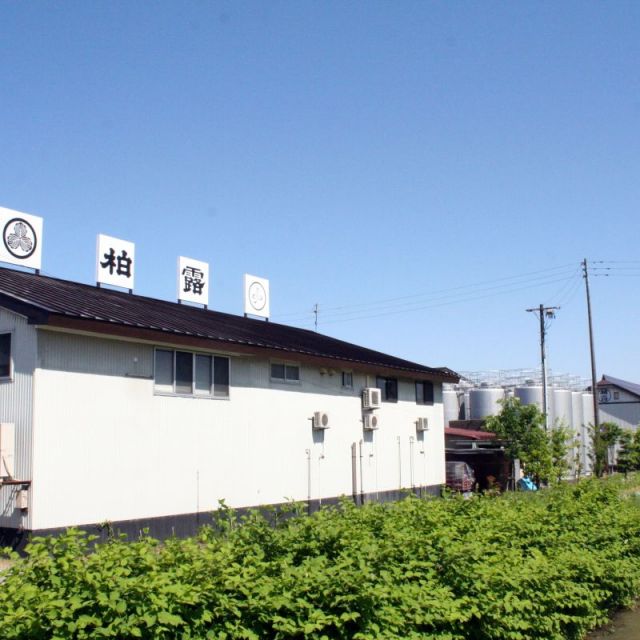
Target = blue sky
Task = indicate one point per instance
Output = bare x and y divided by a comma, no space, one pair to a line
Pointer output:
423,171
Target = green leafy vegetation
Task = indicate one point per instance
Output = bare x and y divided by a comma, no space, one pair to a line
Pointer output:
549,565
544,455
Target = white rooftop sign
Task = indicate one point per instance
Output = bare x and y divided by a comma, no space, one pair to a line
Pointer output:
21,238
256,296
193,280
115,262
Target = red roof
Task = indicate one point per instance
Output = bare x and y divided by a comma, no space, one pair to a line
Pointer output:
469,433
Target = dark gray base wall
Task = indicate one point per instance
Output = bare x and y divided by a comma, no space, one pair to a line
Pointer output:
188,524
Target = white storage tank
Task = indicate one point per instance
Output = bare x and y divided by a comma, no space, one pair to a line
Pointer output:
532,394
485,402
562,408
451,405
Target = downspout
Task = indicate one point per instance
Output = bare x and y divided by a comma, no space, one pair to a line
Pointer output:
399,464
354,473
308,452
361,475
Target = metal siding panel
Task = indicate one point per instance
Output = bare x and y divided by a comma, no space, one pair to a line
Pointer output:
16,405
59,351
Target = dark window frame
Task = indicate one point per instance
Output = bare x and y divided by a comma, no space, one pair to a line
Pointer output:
219,390
347,380
424,392
388,387
287,368
9,366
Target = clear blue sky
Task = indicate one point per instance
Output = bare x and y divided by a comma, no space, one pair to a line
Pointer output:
385,158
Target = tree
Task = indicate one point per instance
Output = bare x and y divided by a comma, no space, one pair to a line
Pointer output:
559,439
521,427
601,439
625,453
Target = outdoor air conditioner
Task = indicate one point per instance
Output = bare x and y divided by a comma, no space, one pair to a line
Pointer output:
370,421
422,424
371,398
320,420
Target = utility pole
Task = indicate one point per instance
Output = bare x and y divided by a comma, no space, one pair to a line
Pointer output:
544,312
594,390
315,311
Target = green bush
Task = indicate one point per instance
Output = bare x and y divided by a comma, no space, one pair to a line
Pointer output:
550,565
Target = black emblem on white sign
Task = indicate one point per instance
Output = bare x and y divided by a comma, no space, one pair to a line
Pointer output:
257,296
19,238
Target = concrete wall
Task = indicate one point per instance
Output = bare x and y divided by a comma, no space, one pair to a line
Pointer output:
16,405
108,448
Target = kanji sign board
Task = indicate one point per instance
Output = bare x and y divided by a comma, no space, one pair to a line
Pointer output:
21,241
115,262
193,280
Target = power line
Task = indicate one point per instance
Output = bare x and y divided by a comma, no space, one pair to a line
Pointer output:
414,296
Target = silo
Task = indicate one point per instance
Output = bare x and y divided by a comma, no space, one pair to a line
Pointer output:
532,394
484,402
451,405
464,406
562,408
587,419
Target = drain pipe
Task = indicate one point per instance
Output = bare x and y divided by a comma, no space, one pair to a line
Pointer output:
361,475
411,478
354,473
399,464
308,452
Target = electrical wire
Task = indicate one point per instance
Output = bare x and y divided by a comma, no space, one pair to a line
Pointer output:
421,298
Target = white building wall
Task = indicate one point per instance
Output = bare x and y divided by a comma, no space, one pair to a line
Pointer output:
108,448
16,403
620,407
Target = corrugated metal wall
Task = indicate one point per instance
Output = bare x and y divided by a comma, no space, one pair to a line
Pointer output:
83,354
16,405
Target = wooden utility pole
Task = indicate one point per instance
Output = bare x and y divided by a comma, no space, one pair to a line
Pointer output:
594,390
543,312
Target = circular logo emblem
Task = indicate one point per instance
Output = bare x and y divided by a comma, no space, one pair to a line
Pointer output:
257,296
19,238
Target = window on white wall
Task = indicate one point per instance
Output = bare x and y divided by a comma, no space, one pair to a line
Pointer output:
389,388
5,355
191,374
282,372
424,392
347,380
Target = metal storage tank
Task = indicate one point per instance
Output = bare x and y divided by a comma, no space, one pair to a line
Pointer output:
484,402
451,405
464,406
532,394
562,408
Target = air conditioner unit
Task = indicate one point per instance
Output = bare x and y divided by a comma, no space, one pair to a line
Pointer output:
370,421
371,398
422,424
320,420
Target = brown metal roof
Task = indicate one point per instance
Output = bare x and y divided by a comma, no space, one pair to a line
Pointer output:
62,303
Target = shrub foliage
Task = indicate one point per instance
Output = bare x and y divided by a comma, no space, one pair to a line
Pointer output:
548,566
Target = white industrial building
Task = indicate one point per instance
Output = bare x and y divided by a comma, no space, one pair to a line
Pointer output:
145,413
